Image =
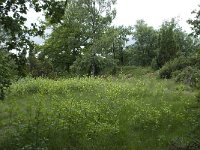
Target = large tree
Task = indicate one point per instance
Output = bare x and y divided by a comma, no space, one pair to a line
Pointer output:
79,33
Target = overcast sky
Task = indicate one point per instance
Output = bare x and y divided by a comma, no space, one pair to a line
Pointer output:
154,12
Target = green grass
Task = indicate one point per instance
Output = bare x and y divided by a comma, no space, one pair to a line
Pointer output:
137,112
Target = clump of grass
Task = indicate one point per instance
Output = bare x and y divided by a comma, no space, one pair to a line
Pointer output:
94,113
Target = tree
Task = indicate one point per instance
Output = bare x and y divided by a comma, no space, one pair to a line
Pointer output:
167,43
187,44
12,20
98,23
181,59
15,35
6,65
118,38
80,33
145,38
195,22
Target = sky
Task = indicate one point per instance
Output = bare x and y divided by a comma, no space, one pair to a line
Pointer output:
153,12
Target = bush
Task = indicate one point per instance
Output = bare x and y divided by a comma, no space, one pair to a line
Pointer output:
189,75
183,69
172,66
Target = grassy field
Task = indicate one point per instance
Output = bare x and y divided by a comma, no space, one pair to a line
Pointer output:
132,111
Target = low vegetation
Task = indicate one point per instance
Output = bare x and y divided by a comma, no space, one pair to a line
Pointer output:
96,113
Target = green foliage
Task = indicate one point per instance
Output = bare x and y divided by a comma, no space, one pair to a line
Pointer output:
198,96
156,48
146,39
13,20
82,31
129,72
173,43
154,64
6,72
91,113
183,69
189,75
41,68
167,45
172,66
195,23
82,66
15,34
118,38
192,140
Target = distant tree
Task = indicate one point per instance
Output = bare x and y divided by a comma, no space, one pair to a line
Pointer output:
37,64
196,31
116,38
174,42
97,23
195,22
187,44
167,43
119,43
180,56
146,42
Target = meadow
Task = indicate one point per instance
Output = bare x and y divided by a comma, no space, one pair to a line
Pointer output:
131,111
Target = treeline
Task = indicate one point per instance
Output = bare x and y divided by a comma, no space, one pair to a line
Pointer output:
172,51
84,42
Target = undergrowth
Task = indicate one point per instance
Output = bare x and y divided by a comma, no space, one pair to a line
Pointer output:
94,113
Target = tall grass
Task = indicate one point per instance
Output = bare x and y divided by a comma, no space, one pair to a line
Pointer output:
94,113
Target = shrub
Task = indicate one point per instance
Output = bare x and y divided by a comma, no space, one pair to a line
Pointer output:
172,66
183,69
189,75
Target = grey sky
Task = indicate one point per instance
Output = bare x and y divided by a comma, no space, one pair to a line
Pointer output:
154,12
